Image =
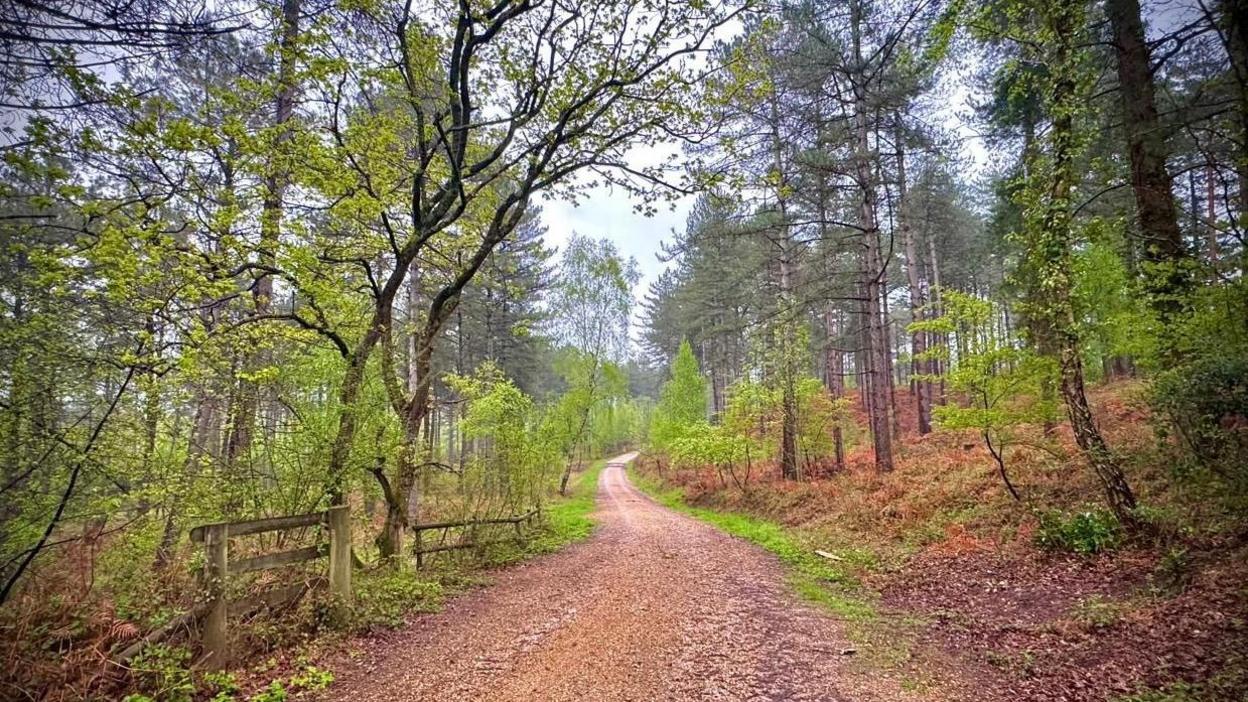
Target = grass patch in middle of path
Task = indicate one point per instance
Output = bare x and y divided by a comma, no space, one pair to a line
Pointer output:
813,577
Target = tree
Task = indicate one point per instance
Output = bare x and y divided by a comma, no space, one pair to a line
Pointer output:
1003,382
590,309
682,401
1150,181
484,143
1048,239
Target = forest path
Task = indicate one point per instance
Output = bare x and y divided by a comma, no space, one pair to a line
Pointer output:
654,606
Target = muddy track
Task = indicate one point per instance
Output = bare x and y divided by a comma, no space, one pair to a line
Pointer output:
654,606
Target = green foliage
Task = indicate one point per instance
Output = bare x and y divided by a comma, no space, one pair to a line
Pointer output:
1114,318
1089,532
275,692
163,673
567,519
1203,399
222,685
1206,402
311,679
515,468
386,597
682,401
702,444
1007,386
594,414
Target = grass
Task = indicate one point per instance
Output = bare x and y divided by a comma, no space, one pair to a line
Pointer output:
567,518
810,574
826,583
387,596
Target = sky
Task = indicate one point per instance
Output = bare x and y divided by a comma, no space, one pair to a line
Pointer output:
608,213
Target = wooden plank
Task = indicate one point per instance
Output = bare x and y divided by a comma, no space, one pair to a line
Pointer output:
471,522
273,597
259,526
456,547
277,560
447,547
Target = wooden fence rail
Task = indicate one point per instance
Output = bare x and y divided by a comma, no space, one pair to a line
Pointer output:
218,567
420,550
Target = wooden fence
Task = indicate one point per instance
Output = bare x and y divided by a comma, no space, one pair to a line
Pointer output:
218,566
420,550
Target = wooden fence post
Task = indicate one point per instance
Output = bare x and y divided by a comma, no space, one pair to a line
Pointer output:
340,553
420,548
216,569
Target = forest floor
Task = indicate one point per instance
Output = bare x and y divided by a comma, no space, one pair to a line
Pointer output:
943,583
655,605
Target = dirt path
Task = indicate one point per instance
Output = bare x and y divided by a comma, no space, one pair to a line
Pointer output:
654,606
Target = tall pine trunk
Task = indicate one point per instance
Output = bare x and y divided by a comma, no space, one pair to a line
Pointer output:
788,343
1150,181
879,371
918,340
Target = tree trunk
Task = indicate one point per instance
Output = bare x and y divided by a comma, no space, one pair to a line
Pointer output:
936,366
1235,21
1050,249
788,371
1151,183
834,377
1118,493
918,339
878,366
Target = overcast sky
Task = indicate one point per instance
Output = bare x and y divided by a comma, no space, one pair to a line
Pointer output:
607,213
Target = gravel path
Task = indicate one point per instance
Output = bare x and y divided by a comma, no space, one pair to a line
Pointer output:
654,606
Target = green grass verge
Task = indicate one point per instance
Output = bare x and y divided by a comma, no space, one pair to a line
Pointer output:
567,518
817,579
886,641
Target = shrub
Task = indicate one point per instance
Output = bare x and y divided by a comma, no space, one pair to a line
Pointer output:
1089,532
385,598
275,692
162,673
1206,403
311,679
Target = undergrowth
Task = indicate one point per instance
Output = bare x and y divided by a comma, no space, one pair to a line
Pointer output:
385,597
567,519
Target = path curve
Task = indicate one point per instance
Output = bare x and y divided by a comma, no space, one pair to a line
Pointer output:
654,606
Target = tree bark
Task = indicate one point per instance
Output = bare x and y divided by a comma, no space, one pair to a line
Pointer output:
918,339
788,371
1150,181
878,367
1052,249
1235,21
834,377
